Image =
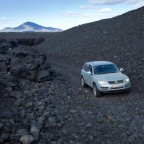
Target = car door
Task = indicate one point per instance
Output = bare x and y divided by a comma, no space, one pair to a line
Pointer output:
84,71
89,75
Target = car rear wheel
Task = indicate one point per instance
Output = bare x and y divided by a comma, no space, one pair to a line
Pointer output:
83,82
95,91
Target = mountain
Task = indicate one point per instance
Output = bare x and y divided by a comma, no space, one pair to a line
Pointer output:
30,27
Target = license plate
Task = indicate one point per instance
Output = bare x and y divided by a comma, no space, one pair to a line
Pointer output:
116,85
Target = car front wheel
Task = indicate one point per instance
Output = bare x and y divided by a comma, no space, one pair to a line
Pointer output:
95,91
83,82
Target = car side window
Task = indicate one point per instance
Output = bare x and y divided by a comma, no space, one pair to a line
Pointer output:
86,68
90,68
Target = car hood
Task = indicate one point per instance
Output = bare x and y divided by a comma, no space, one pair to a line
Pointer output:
110,76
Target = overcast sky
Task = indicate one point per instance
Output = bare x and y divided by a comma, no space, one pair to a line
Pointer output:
62,14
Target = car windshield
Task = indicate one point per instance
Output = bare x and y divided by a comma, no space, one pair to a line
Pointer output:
104,69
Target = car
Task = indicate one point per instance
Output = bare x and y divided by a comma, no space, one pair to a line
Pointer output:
104,77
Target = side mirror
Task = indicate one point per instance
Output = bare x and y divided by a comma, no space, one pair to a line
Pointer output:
121,70
88,72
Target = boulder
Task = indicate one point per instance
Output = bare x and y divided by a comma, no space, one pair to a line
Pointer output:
26,139
35,129
21,132
17,94
3,68
43,76
1,126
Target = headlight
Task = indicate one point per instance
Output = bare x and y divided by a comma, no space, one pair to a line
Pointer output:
127,80
102,82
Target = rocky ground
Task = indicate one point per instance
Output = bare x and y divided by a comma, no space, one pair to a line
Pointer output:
41,98
55,112
53,108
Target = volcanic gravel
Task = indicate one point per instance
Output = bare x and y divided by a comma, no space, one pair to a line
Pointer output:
52,107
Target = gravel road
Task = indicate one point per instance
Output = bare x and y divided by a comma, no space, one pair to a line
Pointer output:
112,118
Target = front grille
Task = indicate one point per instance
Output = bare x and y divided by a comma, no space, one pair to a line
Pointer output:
104,88
116,87
115,82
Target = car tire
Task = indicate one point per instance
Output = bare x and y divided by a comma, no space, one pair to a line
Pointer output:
128,91
83,82
95,91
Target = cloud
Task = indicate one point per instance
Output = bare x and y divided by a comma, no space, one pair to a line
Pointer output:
106,2
136,3
76,14
5,22
71,14
104,10
112,2
140,4
3,19
87,7
86,15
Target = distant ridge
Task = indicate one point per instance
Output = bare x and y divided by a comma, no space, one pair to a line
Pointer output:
30,27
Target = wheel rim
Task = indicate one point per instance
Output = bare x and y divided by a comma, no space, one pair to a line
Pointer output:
94,90
82,82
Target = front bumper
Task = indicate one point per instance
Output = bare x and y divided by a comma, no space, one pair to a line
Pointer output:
114,88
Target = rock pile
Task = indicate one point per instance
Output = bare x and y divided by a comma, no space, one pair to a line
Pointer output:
33,116
6,43
54,112
20,68
24,63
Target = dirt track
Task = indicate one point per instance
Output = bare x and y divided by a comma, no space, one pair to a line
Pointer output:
112,118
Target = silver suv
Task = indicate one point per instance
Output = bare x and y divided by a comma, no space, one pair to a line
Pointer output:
104,76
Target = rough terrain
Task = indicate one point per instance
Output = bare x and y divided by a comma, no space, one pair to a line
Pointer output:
42,101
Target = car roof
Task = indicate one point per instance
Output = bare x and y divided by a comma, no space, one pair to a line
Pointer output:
95,63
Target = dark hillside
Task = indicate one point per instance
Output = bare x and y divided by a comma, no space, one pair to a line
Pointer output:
119,39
